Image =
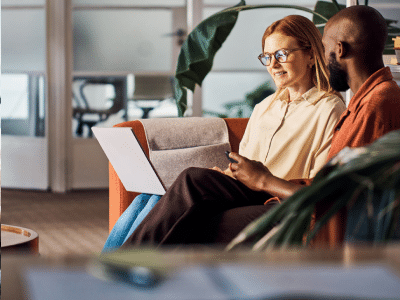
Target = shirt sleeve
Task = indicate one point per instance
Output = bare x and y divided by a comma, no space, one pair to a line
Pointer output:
331,118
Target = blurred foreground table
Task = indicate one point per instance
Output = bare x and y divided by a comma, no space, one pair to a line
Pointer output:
66,274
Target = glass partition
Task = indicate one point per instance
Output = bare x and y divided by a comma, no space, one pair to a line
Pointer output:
5,3
137,3
23,106
243,45
238,80
23,51
234,94
112,48
122,40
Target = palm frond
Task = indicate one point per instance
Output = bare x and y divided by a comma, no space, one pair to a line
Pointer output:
367,185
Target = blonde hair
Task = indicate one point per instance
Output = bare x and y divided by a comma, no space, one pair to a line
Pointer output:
308,36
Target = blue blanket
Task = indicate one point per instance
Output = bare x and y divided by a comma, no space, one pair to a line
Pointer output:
130,220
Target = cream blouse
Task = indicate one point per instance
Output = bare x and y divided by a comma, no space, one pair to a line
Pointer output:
292,138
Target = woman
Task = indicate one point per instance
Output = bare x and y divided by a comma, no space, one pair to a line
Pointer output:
288,137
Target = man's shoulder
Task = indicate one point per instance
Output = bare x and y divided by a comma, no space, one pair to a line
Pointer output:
384,96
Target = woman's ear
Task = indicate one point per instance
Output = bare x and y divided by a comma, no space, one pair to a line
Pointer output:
312,59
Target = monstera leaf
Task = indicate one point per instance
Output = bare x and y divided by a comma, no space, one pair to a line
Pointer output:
327,9
198,51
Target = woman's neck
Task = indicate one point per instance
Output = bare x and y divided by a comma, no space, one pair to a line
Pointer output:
295,93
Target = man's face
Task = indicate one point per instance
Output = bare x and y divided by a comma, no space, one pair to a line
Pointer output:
337,76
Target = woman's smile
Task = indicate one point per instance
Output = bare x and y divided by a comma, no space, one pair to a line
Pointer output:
280,73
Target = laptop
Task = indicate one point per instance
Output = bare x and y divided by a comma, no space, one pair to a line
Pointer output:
129,160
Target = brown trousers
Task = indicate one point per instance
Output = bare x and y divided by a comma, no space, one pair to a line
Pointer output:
202,206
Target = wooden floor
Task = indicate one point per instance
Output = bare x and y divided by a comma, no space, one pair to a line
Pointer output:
71,223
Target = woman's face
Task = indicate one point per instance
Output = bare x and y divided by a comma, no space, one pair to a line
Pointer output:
295,73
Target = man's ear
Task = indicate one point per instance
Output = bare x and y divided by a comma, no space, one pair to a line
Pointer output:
342,49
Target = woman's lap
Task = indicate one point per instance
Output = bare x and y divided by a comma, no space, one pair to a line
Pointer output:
197,197
227,225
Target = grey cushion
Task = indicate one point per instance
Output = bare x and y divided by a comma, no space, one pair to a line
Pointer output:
178,143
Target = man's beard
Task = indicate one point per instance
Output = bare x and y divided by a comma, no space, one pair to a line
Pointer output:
337,77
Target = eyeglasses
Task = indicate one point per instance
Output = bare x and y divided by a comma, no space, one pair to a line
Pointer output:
280,55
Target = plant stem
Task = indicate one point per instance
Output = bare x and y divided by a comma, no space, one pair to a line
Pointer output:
249,7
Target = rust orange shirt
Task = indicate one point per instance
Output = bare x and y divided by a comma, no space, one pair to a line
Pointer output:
372,112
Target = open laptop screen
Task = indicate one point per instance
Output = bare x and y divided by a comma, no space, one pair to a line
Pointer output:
129,160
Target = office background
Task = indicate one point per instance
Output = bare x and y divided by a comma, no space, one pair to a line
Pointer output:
55,51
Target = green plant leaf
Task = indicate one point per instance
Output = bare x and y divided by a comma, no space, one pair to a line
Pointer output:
377,168
336,4
259,93
327,9
197,53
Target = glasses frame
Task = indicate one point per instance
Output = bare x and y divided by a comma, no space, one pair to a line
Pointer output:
286,51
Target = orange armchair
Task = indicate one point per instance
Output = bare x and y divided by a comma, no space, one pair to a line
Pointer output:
120,199
331,235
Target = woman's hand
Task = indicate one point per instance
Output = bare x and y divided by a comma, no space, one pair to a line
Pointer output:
252,173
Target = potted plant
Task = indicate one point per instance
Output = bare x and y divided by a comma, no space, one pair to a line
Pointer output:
198,50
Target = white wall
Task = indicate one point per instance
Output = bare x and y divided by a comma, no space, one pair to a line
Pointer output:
24,162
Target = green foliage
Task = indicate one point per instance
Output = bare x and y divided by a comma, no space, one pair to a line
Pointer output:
327,9
366,181
243,109
198,51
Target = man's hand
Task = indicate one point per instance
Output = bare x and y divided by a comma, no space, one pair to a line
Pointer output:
226,172
252,173
257,177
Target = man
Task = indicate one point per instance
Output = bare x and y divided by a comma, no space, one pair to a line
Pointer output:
354,40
